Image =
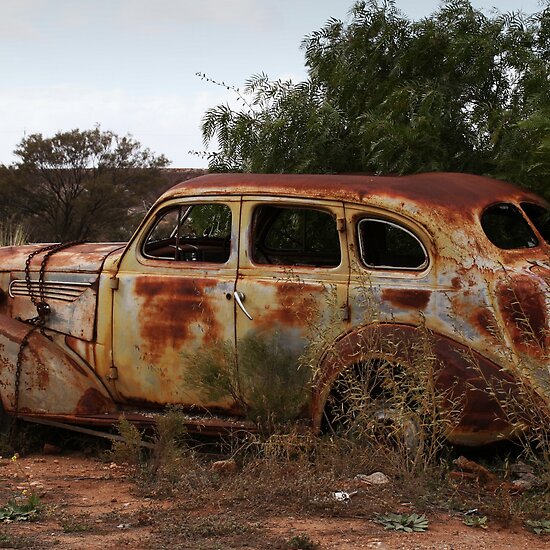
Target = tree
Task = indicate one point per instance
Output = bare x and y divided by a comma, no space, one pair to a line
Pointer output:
456,91
78,185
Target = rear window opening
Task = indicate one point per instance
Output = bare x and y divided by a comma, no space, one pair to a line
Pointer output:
386,245
506,227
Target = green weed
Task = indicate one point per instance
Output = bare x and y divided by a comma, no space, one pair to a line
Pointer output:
269,384
475,521
73,526
25,508
540,527
12,234
409,523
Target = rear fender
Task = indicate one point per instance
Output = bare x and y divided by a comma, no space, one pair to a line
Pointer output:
51,381
462,374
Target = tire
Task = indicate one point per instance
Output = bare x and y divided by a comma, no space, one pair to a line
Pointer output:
5,428
370,403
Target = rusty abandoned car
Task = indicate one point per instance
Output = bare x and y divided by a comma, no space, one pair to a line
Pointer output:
339,269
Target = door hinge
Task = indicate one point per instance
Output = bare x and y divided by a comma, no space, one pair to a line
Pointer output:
113,373
341,224
345,312
113,283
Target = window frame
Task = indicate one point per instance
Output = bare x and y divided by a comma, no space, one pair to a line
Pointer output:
152,219
265,232
248,265
397,225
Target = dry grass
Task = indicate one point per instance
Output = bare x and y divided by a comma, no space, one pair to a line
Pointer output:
12,234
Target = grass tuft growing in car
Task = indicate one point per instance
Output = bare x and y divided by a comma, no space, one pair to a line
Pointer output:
269,385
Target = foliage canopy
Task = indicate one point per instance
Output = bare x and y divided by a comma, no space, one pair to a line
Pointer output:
77,184
457,91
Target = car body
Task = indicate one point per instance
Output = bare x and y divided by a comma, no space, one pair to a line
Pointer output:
287,260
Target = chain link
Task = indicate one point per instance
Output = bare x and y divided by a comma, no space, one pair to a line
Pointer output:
42,310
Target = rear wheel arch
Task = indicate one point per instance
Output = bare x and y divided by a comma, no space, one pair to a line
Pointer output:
458,370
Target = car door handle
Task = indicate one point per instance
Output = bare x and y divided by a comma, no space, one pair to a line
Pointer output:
239,298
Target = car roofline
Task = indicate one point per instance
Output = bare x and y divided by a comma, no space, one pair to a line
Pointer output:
442,190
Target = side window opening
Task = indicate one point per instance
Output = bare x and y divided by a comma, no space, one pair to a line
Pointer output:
540,218
199,232
506,227
386,245
289,235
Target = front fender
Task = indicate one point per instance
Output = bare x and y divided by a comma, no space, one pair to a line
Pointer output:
51,381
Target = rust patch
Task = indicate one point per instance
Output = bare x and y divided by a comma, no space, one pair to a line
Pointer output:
42,375
172,306
407,298
93,402
484,319
469,382
523,308
464,192
298,304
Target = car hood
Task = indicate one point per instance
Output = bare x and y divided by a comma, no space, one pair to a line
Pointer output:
80,258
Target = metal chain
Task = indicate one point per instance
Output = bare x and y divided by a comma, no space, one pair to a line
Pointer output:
18,364
42,307
42,310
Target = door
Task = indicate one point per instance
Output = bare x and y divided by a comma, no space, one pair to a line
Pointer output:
291,298
174,304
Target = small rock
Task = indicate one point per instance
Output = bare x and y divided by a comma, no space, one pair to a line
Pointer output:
377,478
224,466
527,481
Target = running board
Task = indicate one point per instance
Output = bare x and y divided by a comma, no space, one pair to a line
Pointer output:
80,429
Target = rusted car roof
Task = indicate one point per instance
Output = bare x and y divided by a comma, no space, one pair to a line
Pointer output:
458,191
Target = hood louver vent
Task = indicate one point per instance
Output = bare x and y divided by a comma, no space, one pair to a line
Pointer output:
54,290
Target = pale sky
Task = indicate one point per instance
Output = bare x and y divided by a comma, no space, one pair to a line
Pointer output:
130,65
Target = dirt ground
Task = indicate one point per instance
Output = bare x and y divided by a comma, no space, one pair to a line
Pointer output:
90,503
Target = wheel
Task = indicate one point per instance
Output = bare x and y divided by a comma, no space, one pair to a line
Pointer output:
5,427
374,403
